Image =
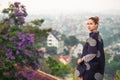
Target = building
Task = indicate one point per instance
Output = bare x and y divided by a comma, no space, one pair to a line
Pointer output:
77,49
54,39
114,49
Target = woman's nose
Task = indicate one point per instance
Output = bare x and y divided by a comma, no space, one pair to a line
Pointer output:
88,26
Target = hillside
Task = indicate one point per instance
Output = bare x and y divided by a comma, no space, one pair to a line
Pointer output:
112,39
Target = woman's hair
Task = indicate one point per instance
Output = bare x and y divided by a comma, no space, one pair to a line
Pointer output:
95,19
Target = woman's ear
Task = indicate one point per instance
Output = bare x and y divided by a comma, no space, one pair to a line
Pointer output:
96,25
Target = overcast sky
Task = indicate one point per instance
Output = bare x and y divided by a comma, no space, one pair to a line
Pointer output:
65,6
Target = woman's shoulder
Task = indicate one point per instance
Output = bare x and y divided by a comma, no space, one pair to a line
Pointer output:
94,34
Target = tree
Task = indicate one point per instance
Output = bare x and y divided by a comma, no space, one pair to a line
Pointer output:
16,14
117,58
117,76
71,41
51,50
57,68
17,46
44,66
38,22
111,68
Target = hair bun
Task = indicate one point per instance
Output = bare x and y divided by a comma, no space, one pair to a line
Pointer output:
97,18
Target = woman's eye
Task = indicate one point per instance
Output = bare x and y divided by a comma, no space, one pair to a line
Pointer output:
90,23
87,23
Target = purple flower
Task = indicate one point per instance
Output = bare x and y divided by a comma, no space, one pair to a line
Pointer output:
31,74
22,19
32,35
19,14
17,52
17,4
41,52
19,43
36,65
16,74
8,50
10,39
5,37
16,12
28,53
10,56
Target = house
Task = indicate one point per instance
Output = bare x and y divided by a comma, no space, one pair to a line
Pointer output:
63,59
54,39
113,49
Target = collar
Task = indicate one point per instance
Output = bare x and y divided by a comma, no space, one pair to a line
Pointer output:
94,34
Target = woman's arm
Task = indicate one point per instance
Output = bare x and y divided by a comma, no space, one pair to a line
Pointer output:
91,49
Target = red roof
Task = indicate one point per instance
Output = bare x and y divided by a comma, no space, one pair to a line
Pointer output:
65,58
35,74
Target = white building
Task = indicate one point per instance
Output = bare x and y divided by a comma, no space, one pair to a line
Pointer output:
54,40
76,50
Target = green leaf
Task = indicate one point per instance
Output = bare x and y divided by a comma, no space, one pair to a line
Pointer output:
11,15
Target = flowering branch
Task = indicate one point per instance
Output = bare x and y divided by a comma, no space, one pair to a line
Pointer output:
16,13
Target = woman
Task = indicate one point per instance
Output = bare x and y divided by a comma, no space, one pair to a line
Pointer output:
92,61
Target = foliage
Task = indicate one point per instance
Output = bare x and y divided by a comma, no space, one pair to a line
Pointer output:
38,22
74,61
71,41
16,13
52,50
66,51
117,58
44,66
73,74
40,34
3,27
107,57
112,67
117,77
110,40
57,68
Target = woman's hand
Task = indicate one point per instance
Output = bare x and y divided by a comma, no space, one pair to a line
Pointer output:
80,60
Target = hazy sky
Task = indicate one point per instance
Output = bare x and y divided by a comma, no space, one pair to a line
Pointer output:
65,6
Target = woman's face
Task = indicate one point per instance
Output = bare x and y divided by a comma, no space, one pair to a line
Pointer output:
91,25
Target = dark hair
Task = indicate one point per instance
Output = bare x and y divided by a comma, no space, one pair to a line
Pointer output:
95,19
